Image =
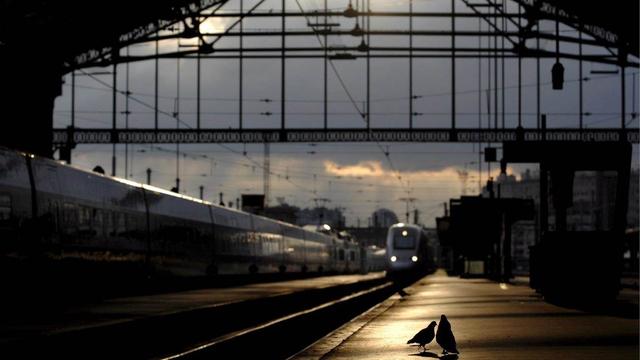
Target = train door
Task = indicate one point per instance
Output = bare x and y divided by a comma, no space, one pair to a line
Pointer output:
212,245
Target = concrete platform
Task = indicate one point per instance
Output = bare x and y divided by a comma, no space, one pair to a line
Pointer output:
117,311
489,320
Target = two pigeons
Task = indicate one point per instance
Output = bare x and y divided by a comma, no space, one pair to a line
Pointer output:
444,336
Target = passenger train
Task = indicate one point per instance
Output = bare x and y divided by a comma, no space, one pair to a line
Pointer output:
410,250
56,213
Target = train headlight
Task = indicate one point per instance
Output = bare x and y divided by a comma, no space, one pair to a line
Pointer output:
414,258
394,258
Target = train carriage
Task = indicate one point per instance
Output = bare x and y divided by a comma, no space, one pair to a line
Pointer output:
57,212
410,249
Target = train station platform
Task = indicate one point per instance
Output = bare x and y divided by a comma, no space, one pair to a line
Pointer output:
489,320
116,312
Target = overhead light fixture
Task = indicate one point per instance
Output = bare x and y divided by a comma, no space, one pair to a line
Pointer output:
557,71
363,47
350,12
356,31
557,76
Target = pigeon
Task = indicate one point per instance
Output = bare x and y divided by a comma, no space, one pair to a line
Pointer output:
445,338
424,336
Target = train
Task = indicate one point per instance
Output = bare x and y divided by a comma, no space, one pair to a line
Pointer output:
55,213
411,249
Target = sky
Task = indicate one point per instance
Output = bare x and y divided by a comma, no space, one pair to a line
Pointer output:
356,177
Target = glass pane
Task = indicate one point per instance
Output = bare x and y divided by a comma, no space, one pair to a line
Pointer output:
404,242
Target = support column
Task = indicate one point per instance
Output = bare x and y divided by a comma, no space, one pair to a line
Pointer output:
30,85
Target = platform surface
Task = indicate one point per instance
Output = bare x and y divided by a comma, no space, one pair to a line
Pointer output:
489,320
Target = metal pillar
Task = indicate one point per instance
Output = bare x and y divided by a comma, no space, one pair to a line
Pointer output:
544,186
73,98
198,61
126,118
453,64
155,85
114,118
282,70
325,73
240,70
368,107
479,110
504,28
495,68
177,116
538,115
520,68
623,93
581,114
410,64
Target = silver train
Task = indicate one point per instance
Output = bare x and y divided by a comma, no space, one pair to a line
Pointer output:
410,249
58,213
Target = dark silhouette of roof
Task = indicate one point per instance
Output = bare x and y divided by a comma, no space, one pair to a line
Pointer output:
618,18
66,23
73,27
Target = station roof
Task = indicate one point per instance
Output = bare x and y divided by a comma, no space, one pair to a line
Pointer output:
68,29
618,18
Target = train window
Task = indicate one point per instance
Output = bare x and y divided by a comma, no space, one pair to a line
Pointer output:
341,254
84,216
403,240
5,207
117,224
352,255
70,213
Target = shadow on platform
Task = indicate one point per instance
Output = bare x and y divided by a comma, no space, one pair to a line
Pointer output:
622,308
429,354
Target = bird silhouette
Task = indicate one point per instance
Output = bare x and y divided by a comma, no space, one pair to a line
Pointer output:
424,336
445,338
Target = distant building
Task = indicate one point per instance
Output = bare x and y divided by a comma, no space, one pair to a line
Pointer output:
314,216
283,212
593,206
383,218
321,215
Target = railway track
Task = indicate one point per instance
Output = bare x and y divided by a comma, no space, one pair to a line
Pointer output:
285,336
273,327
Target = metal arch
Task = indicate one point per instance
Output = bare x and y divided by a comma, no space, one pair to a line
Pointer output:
552,9
534,11
104,56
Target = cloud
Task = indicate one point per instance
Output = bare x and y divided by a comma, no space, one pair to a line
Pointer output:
363,168
448,177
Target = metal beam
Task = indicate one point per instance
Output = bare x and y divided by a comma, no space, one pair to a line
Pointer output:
64,137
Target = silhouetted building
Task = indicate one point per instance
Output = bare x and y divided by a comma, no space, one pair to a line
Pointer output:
321,215
593,206
253,203
383,218
283,212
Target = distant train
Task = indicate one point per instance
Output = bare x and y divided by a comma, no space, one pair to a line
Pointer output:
410,249
56,213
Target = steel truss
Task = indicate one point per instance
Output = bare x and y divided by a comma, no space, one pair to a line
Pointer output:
526,24
518,30
292,135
